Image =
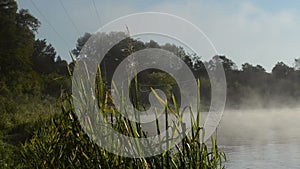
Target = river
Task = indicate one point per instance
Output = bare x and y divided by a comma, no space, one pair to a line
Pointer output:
261,139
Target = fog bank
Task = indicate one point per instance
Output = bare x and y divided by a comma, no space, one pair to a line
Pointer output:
259,126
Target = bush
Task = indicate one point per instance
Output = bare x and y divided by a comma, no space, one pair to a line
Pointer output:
19,117
61,143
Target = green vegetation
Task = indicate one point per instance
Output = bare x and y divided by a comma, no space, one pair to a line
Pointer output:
63,144
31,80
250,86
18,119
38,127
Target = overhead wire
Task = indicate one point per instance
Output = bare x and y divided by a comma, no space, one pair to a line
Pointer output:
73,23
69,16
49,23
97,13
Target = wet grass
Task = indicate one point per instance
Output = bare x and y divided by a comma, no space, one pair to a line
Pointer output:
62,143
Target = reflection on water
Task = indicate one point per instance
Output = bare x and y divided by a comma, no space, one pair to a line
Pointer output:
269,156
261,139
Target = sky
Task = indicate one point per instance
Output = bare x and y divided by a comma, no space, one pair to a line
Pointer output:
257,32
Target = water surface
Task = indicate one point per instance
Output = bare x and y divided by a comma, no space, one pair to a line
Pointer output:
261,139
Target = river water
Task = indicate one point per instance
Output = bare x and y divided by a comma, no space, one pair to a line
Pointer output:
261,139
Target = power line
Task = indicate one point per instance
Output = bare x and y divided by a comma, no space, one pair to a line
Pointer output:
49,23
69,16
97,13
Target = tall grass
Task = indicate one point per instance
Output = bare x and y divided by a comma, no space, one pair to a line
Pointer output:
62,143
20,115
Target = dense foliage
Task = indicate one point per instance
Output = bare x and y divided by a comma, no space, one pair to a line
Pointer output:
62,143
27,66
251,86
33,77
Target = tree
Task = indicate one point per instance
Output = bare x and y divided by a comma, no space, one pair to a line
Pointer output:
43,57
17,36
228,64
246,67
16,45
297,64
61,66
281,70
80,43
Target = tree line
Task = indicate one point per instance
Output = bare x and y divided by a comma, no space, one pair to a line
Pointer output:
33,76
27,65
31,66
250,86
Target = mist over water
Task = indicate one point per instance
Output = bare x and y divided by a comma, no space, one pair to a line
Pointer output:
261,138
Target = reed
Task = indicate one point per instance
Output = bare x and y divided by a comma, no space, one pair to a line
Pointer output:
62,143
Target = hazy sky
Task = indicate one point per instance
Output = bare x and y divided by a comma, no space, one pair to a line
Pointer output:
258,32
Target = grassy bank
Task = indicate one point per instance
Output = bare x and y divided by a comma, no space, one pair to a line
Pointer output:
20,116
62,143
